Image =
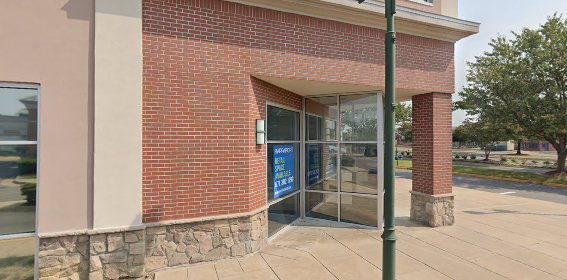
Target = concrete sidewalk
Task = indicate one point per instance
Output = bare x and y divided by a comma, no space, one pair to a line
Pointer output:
495,237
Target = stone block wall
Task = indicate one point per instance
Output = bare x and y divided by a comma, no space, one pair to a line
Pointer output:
432,210
64,257
117,255
175,245
138,254
432,201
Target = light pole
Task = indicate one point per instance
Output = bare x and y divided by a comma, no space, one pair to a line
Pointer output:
389,235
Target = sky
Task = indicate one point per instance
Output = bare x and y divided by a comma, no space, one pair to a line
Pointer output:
497,17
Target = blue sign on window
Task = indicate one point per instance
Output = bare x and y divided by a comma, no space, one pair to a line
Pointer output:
314,160
284,170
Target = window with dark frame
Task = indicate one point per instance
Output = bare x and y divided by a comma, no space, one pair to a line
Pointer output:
18,178
283,167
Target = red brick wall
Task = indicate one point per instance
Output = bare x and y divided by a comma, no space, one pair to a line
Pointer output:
200,102
262,93
431,143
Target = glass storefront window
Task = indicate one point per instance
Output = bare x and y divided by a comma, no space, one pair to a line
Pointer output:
340,157
353,152
321,118
359,117
18,114
321,167
322,205
321,129
283,213
18,180
282,124
325,106
359,210
17,188
359,168
312,123
283,160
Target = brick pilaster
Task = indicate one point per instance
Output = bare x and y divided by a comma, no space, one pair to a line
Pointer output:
432,163
431,143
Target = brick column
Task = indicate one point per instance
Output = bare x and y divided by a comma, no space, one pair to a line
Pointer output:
432,198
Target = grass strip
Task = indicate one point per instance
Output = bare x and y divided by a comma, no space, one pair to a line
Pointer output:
523,177
404,164
495,174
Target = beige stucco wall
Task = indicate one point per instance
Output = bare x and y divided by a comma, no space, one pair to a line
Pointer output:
90,166
50,42
426,7
443,7
450,8
118,114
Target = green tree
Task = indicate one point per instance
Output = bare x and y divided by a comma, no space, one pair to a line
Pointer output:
517,134
523,81
460,135
403,113
484,133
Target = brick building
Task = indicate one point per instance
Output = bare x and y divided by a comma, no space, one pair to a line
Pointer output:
172,132
537,146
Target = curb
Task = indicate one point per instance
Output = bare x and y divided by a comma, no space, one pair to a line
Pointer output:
510,180
404,168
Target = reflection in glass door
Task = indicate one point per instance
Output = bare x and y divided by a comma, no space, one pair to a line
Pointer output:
341,158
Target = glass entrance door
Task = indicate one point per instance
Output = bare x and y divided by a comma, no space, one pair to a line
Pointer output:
342,181
283,133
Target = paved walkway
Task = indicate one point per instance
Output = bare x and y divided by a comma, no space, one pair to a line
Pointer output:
496,237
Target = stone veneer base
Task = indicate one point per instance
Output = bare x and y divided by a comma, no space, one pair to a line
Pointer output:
432,210
137,254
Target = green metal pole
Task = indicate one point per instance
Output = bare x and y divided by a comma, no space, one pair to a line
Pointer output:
389,235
